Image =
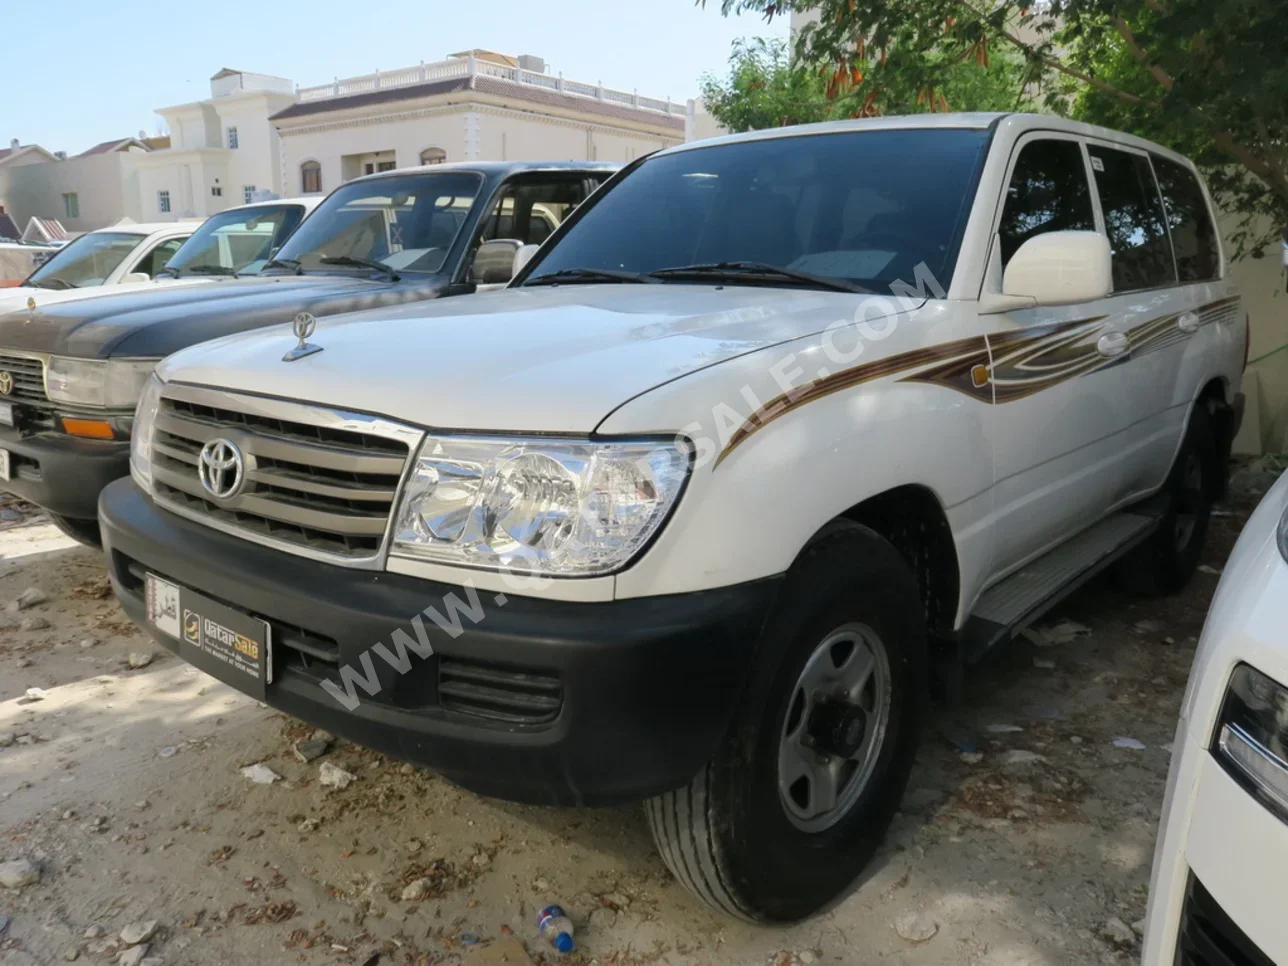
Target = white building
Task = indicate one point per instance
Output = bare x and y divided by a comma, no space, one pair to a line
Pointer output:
477,105
223,150
94,189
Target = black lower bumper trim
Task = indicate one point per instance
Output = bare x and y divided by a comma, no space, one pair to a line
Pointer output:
1209,937
536,701
63,474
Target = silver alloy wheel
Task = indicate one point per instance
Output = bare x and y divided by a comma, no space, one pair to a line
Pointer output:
835,728
1191,496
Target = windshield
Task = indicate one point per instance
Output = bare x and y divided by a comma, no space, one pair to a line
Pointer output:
237,241
865,207
86,261
407,223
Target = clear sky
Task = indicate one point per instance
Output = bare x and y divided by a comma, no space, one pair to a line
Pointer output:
84,71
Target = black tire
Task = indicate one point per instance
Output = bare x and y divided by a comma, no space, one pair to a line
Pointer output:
82,531
1165,563
728,836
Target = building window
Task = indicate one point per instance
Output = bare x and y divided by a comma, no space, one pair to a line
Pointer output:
248,193
163,202
232,138
216,192
433,156
385,165
71,205
311,178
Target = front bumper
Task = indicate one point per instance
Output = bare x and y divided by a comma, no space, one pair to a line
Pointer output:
63,474
646,687
1221,864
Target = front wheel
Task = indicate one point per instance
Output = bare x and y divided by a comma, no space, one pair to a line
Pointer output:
789,812
1165,563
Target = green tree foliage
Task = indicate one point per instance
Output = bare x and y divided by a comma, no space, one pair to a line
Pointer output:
1207,78
766,86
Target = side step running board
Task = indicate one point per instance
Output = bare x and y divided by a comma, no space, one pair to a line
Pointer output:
1008,607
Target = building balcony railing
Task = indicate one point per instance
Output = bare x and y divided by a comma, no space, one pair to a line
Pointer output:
470,66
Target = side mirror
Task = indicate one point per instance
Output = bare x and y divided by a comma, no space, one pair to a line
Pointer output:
494,261
133,277
523,256
1061,267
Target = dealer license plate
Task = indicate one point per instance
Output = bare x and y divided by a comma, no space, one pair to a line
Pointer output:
224,643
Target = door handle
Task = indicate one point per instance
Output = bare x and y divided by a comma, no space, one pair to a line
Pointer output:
1112,344
1189,322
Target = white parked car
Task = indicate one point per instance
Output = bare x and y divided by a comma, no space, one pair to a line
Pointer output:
127,258
769,427
1221,867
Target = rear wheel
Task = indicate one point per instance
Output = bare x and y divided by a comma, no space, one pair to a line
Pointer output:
82,531
789,812
1167,561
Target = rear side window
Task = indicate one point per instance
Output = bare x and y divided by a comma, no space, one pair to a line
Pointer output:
1048,192
1134,220
1198,254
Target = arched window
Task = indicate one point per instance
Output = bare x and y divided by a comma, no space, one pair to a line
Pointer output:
311,178
433,156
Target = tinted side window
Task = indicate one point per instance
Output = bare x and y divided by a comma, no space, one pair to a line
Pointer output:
159,256
1198,255
1048,192
1134,220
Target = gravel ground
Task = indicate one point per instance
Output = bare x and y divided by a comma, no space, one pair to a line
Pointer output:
1025,838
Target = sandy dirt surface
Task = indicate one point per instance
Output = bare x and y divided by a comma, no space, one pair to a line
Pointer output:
1025,838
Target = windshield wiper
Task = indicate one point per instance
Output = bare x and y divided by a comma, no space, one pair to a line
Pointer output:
57,284
574,275
361,263
292,264
757,271
207,270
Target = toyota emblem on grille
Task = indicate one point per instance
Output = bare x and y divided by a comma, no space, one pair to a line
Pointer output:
6,382
222,468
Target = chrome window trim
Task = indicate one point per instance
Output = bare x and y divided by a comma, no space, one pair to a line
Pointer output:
310,414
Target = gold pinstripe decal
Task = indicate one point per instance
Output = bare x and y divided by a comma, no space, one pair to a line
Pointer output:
1022,363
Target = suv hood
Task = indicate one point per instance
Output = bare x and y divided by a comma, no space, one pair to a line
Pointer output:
13,299
165,318
551,360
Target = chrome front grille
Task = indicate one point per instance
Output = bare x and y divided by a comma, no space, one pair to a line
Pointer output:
317,481
28,373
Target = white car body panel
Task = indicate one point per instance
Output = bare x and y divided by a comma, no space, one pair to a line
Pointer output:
150,236
1014,475
1234,845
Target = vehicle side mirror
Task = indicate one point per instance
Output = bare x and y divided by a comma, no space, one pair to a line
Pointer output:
133,277
523,256
1060,267
494,261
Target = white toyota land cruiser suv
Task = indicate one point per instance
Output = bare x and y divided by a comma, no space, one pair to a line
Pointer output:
771,427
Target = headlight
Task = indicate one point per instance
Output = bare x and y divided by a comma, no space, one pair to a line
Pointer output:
1283,535
103,384
145,418
567,508
1252,741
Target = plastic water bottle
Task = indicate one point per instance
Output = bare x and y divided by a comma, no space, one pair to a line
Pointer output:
556,927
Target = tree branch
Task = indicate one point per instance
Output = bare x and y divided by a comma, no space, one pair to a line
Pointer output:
1129,38
1057,65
